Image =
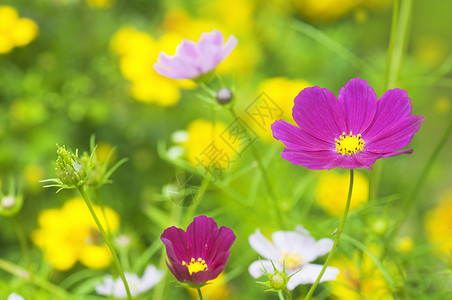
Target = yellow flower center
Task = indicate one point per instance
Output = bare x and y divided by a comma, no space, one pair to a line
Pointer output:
195,266
292,260
349,144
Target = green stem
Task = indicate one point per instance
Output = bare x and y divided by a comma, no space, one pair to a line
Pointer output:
107,241
191,210
102,207
199,294
22,240
288,294
38,281
336,240
265,177
281,295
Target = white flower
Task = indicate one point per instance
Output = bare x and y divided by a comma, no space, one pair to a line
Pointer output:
14,296
297,249
111,287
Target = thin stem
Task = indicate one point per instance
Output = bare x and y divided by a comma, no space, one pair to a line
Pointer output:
36,280
265,177
102,208
107,241
22,240
281,295
288,294
199,294
336,240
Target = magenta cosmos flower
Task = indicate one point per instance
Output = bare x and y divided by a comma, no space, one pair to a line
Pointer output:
194,59
201,253
350,131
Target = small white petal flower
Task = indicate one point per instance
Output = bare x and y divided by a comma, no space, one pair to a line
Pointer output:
14,296
297,249
111,287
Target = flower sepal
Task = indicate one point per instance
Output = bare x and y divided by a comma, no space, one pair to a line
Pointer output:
277,281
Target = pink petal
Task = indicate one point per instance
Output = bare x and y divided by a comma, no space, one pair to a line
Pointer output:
359,104
295,138
314,160
317,112
231,43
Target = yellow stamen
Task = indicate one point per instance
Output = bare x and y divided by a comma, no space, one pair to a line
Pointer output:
349,144
195,266
293,261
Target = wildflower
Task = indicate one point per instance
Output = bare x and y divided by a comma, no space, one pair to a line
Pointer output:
69,234
195,59
11,203
349,132
438,224
360,278
404,244
224,96
15,31
200,254
205,146
296,249
115,288
14,296
332,189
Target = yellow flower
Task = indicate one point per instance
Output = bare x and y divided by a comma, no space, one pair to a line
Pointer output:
138,52
332,190
33,174
215,290
325,10
442,105
359,278
96,4
438,225
404,244
69,234
282,91
206,147
15,31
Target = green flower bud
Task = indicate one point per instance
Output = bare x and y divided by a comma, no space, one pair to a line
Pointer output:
278,281
71,170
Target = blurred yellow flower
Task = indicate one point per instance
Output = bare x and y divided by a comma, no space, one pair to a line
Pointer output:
69,234
282,91
138,51
332,190
97,4
325,10
359,278
215,289
438,225
33,174
206,147
15,31
442,105
404,244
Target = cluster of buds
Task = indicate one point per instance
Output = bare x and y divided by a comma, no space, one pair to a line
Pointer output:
74,171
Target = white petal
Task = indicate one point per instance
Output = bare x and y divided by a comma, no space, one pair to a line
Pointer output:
302,230
293,242
150,278
14,296
105,288
255,268
309,274
263,246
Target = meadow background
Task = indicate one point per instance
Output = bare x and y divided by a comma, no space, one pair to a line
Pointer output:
85,68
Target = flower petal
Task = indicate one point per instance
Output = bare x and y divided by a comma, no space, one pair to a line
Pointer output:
199,232
395,136
314,160
151,277
263,246
295,138
230,44
309,274
359,104
176,244
220,244
317,112
255,268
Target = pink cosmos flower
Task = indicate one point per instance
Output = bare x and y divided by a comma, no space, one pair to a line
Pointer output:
194,59
201,253
348,132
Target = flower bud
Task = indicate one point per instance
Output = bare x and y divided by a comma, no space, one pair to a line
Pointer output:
10,205
278,281
70,169
224,96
